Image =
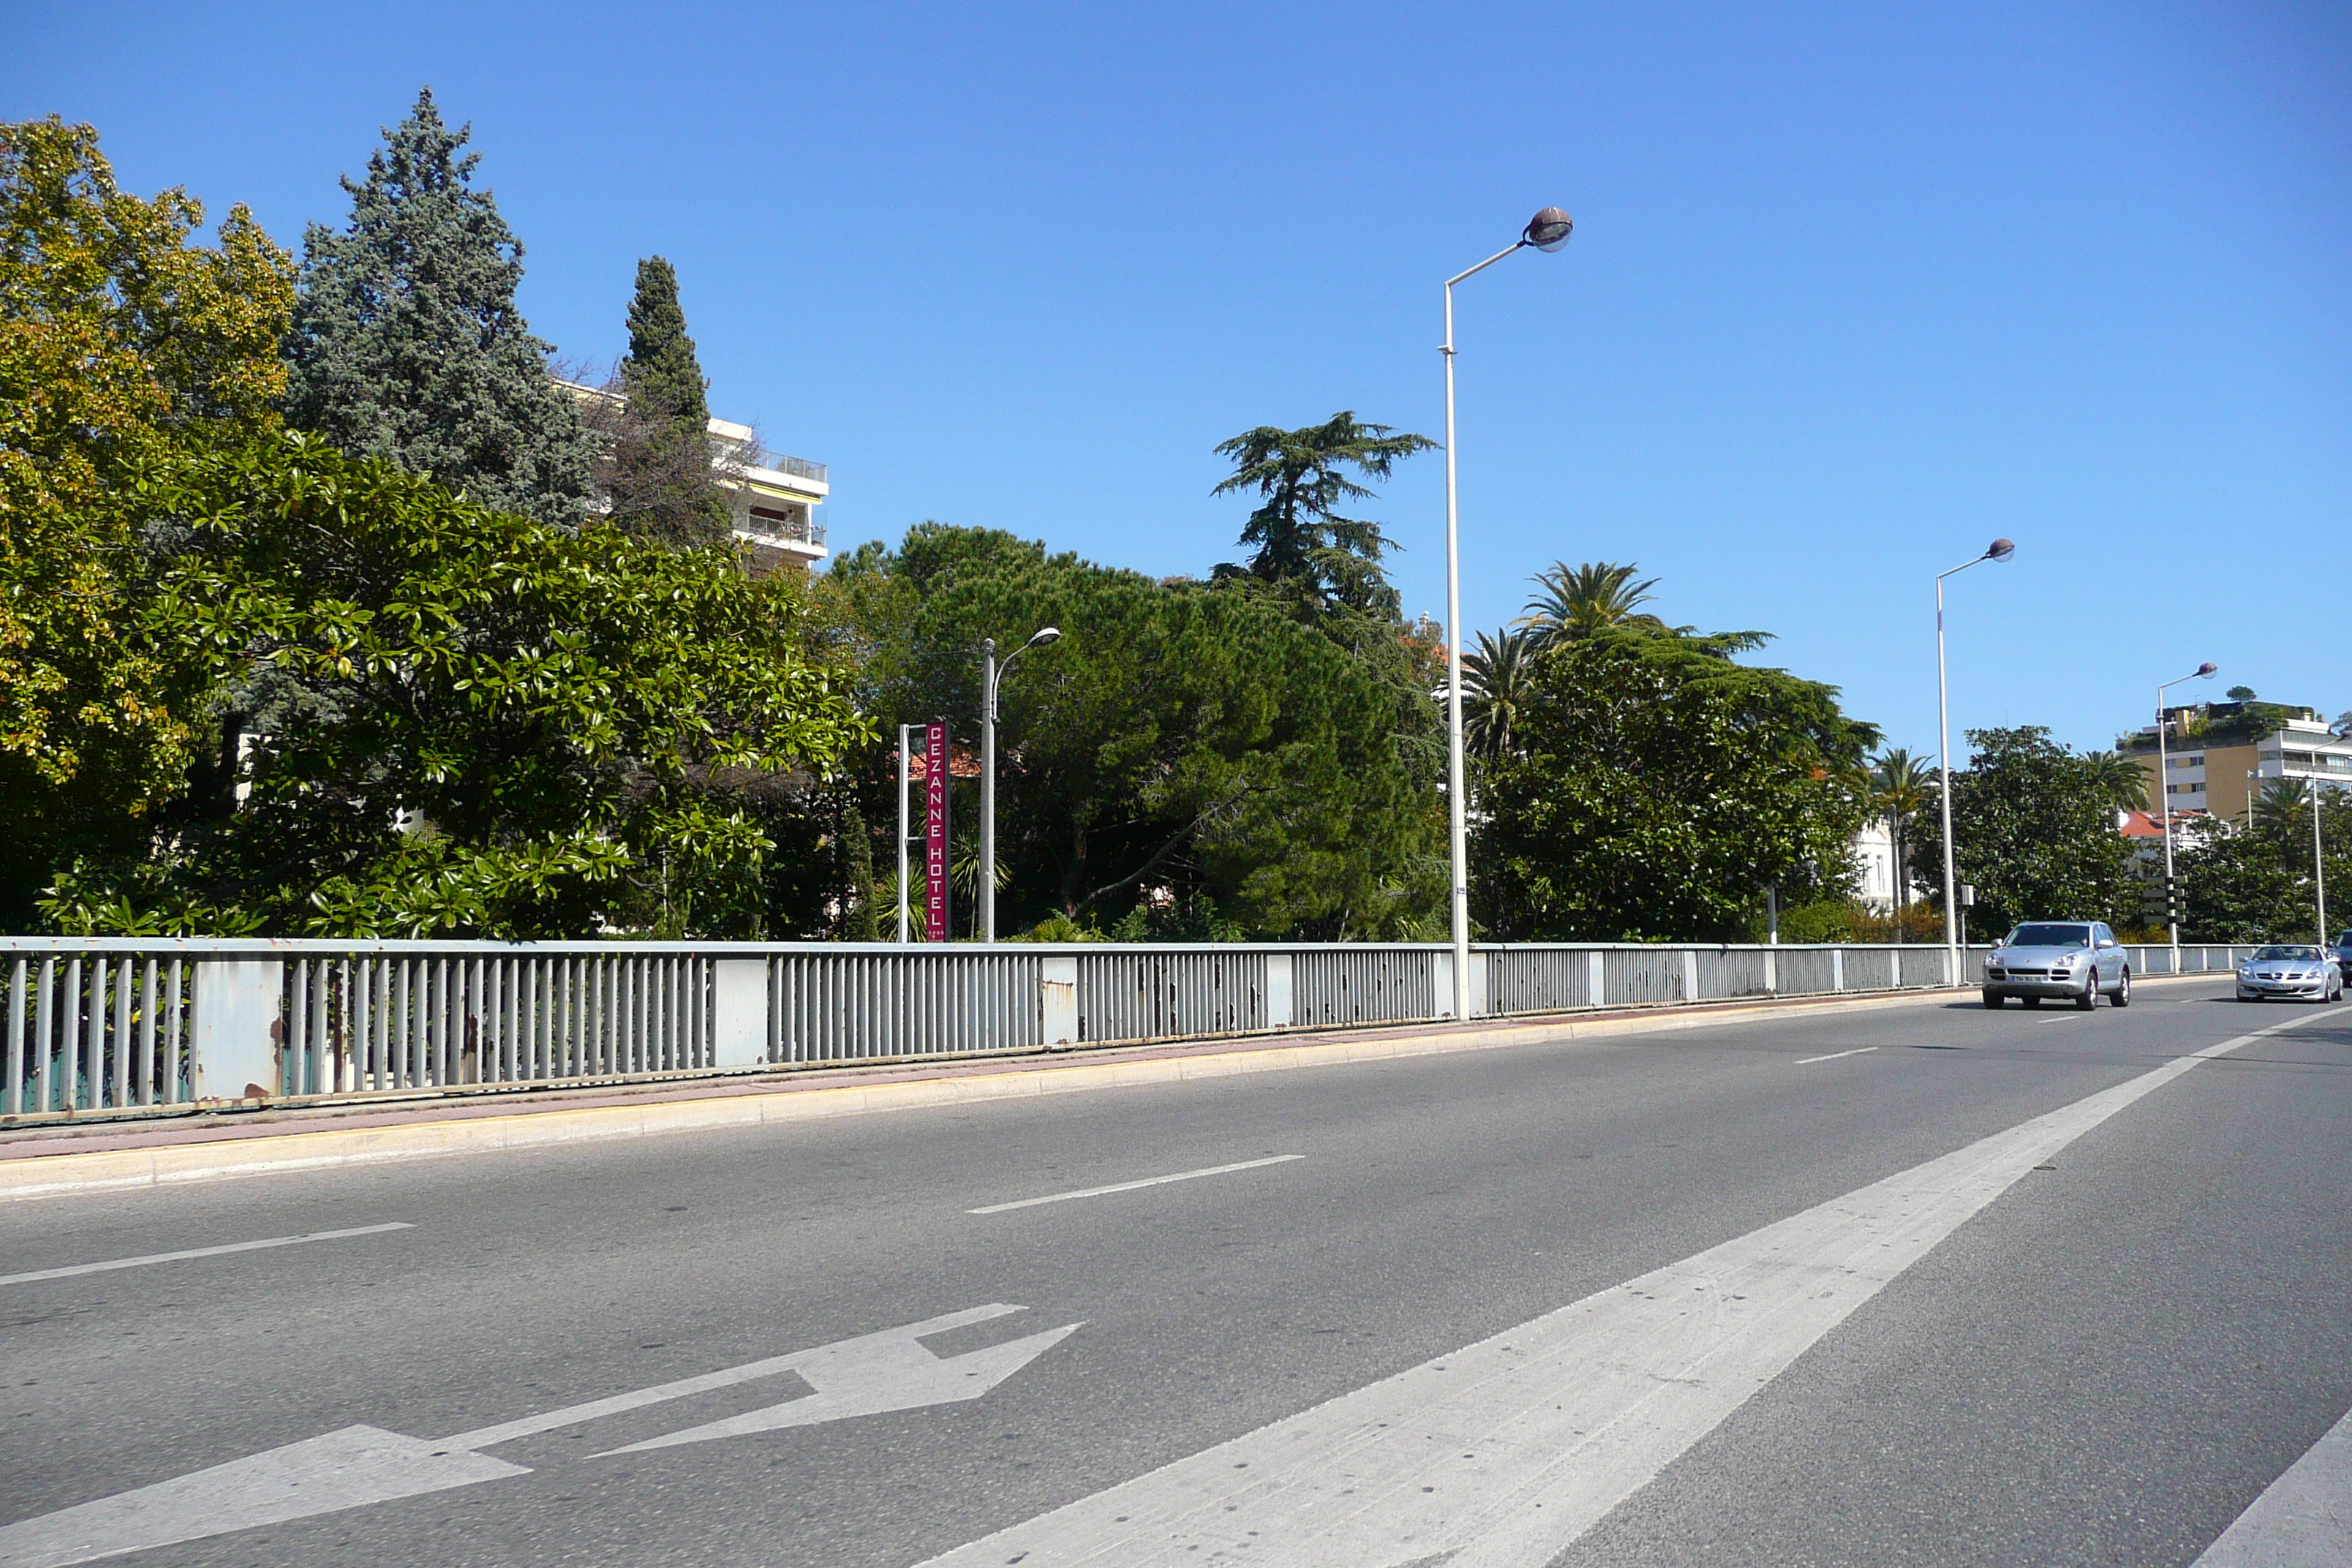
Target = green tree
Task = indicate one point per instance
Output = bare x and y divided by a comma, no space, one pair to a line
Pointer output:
1494,681
2120,778
1313,560
2034,831
1575,602
2254,883
1178,747
1900,787
123,347
656,475
407,344
521,731
1657,791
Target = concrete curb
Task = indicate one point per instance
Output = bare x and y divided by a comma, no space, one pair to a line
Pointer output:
58,1176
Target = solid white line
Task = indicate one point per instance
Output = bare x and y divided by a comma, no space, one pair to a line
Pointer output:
1130,1186
1858,1050
1503,1454
2302,1520
197,1252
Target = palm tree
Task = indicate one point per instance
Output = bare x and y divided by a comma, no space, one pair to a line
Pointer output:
2119,778
1578,601
1494,681
1575,602
1901,788
2282,811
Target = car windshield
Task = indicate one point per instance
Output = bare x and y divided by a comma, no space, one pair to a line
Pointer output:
2285,954
2049,936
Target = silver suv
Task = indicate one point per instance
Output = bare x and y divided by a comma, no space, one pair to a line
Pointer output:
2073,961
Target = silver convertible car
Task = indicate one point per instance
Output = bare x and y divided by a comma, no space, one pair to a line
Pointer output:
2290,969
2073,960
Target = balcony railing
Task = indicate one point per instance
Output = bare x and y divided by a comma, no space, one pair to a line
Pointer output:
787,529
777,462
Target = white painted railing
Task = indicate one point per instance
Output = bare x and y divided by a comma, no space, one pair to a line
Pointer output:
107,1024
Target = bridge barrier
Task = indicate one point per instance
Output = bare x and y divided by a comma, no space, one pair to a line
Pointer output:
102,1025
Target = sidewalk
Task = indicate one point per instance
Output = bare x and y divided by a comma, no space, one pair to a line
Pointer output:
57,1159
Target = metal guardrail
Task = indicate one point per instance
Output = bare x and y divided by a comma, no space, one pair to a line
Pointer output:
106,1025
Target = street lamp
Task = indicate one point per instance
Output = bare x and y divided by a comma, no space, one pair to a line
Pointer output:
2164,787
2319,863
992,677
2000,549
1547,231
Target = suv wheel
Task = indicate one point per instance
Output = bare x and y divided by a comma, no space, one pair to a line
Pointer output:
2090,996
2122,991
1993,1000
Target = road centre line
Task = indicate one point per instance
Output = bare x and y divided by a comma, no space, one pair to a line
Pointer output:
1505,1452
2302,1520
1858,1050
1130,1186
113,1263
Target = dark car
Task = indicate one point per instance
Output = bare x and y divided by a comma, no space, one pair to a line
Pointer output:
2343,955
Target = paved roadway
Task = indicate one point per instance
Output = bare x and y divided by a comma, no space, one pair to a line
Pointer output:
2105,1360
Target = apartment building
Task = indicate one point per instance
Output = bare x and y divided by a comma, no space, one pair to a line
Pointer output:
772,498
2220,755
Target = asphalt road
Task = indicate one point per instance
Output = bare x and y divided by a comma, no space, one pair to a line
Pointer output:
2105,1360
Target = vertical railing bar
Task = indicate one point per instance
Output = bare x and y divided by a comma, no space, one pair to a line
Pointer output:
120,1076
90,995
45,1034
69,1048
176,1033
11,1088
299,1079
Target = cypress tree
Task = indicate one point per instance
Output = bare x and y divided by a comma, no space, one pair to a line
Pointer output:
407,344
656,479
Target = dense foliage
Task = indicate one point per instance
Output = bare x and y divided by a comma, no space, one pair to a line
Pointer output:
1306,554
2256,883
499,728
656,477
407,345
122,347
1654,790
1182,749
2034,830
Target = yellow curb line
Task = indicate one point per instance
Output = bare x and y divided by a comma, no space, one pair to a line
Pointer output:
112,1170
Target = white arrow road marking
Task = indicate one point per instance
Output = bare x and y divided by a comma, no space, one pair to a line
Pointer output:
1130,1186
362,1465
73,1268
867,1377
2302,1520
348,1468
1503,1453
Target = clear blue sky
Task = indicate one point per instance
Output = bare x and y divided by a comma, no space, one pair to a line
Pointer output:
1854,288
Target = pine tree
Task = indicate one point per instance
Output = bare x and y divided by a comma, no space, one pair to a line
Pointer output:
656,479
407,344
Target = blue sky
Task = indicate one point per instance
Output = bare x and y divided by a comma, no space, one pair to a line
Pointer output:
1854,288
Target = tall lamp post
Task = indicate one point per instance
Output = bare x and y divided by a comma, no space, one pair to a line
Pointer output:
2000,549
1547,231
2318,865
2164,795
992,676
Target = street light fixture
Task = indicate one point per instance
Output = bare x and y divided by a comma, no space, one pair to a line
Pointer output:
2164,795
2000,549
992,678
1547,231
